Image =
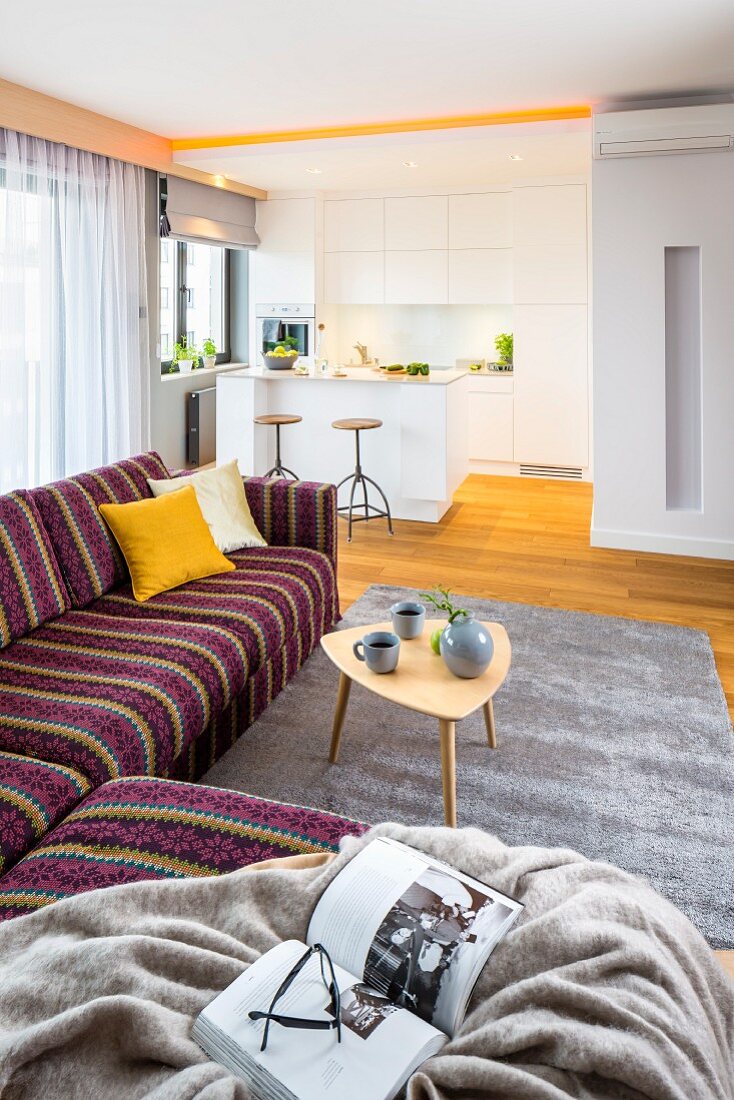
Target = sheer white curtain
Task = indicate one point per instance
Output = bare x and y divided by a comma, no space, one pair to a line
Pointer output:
74,372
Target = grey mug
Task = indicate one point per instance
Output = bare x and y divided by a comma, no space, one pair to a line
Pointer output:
408,619
380,650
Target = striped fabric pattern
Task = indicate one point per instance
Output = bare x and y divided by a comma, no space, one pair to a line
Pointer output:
244,709
274,594
110,697
32,590
34,796
136,829
294,513
88,554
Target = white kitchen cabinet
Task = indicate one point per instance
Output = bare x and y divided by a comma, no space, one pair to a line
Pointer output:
282,277
551,407
354,278
554,214
417,222
481,221
354,225
491,426
286,225
550,273
481,276
417,278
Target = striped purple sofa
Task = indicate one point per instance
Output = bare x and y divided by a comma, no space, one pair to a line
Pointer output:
110,708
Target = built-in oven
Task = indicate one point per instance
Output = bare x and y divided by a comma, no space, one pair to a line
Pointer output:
292,325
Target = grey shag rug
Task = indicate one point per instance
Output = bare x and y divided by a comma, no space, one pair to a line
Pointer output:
613,739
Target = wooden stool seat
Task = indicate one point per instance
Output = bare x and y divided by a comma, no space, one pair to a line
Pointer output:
355,424
277,418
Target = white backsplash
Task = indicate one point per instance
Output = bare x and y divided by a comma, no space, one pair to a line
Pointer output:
398,334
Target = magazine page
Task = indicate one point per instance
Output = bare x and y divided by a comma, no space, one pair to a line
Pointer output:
380,1046
413,928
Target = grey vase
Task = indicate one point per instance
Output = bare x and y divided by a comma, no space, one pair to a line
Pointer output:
466,646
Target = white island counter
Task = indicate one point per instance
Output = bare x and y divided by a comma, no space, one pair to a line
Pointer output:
419,456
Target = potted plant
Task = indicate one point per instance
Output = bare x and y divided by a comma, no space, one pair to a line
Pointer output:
465,645
185,355
504,345
210,353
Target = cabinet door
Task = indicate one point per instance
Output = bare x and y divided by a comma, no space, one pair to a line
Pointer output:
354,278
550,215
354,225
551,385
286,225
481,221
550,273
283,277
413,223
481,276
416,278
491,429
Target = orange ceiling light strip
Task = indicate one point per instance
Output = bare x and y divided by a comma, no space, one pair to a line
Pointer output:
500,118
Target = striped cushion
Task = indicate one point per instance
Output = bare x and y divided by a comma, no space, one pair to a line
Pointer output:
89,556
31,587
110,697
34,796
276,593
137,829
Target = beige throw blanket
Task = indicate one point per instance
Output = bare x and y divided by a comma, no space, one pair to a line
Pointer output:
602,989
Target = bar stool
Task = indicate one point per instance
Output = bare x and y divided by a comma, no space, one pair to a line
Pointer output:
357,478
279,470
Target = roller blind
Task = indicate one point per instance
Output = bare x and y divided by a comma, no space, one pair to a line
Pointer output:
206,215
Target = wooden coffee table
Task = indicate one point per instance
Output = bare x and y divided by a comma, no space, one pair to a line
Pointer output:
422,682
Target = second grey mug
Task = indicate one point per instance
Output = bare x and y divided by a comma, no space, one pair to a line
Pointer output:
380,650
408,618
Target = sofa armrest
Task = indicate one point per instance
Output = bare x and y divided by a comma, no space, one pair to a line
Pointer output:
294,513
291,513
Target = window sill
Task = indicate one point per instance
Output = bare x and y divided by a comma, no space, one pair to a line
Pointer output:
202,372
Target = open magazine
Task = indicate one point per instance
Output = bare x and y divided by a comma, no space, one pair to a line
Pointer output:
408,937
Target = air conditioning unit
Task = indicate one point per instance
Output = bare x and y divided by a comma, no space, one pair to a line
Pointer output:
663,131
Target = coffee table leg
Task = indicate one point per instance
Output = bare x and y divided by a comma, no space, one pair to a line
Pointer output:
342,698
448,770
488,711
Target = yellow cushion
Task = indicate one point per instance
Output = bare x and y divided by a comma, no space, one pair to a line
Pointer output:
165,541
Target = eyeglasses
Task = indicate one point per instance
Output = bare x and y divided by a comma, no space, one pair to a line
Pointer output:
333,1008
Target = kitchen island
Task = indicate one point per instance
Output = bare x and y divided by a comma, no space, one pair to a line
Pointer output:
419,456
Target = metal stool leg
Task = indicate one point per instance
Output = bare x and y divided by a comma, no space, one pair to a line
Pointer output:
279,470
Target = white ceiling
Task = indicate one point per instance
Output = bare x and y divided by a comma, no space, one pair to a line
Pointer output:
204,67
444,158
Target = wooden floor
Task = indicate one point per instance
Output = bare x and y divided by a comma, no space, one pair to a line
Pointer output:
528,540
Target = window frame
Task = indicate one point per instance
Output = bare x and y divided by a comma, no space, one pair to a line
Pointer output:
180,304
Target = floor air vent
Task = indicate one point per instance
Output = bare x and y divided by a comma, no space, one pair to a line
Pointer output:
572,472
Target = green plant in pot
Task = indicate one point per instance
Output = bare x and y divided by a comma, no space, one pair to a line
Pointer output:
504,343
209,351
465,645
185,355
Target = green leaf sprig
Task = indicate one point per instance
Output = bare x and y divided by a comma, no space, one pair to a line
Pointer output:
441,600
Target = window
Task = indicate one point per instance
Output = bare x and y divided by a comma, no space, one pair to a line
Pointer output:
194,297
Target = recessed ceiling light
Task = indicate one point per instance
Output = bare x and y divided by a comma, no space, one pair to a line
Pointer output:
314,171
410,164
514,156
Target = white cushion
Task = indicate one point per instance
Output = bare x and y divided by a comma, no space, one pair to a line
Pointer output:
221,497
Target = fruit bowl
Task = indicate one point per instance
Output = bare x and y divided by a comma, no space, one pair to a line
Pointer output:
280,362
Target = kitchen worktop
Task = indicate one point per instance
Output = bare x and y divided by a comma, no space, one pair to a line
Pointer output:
353,374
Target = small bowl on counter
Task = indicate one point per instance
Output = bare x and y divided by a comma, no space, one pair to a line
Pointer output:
280,362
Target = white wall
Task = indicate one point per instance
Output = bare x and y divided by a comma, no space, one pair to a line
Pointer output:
640,206
398,334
